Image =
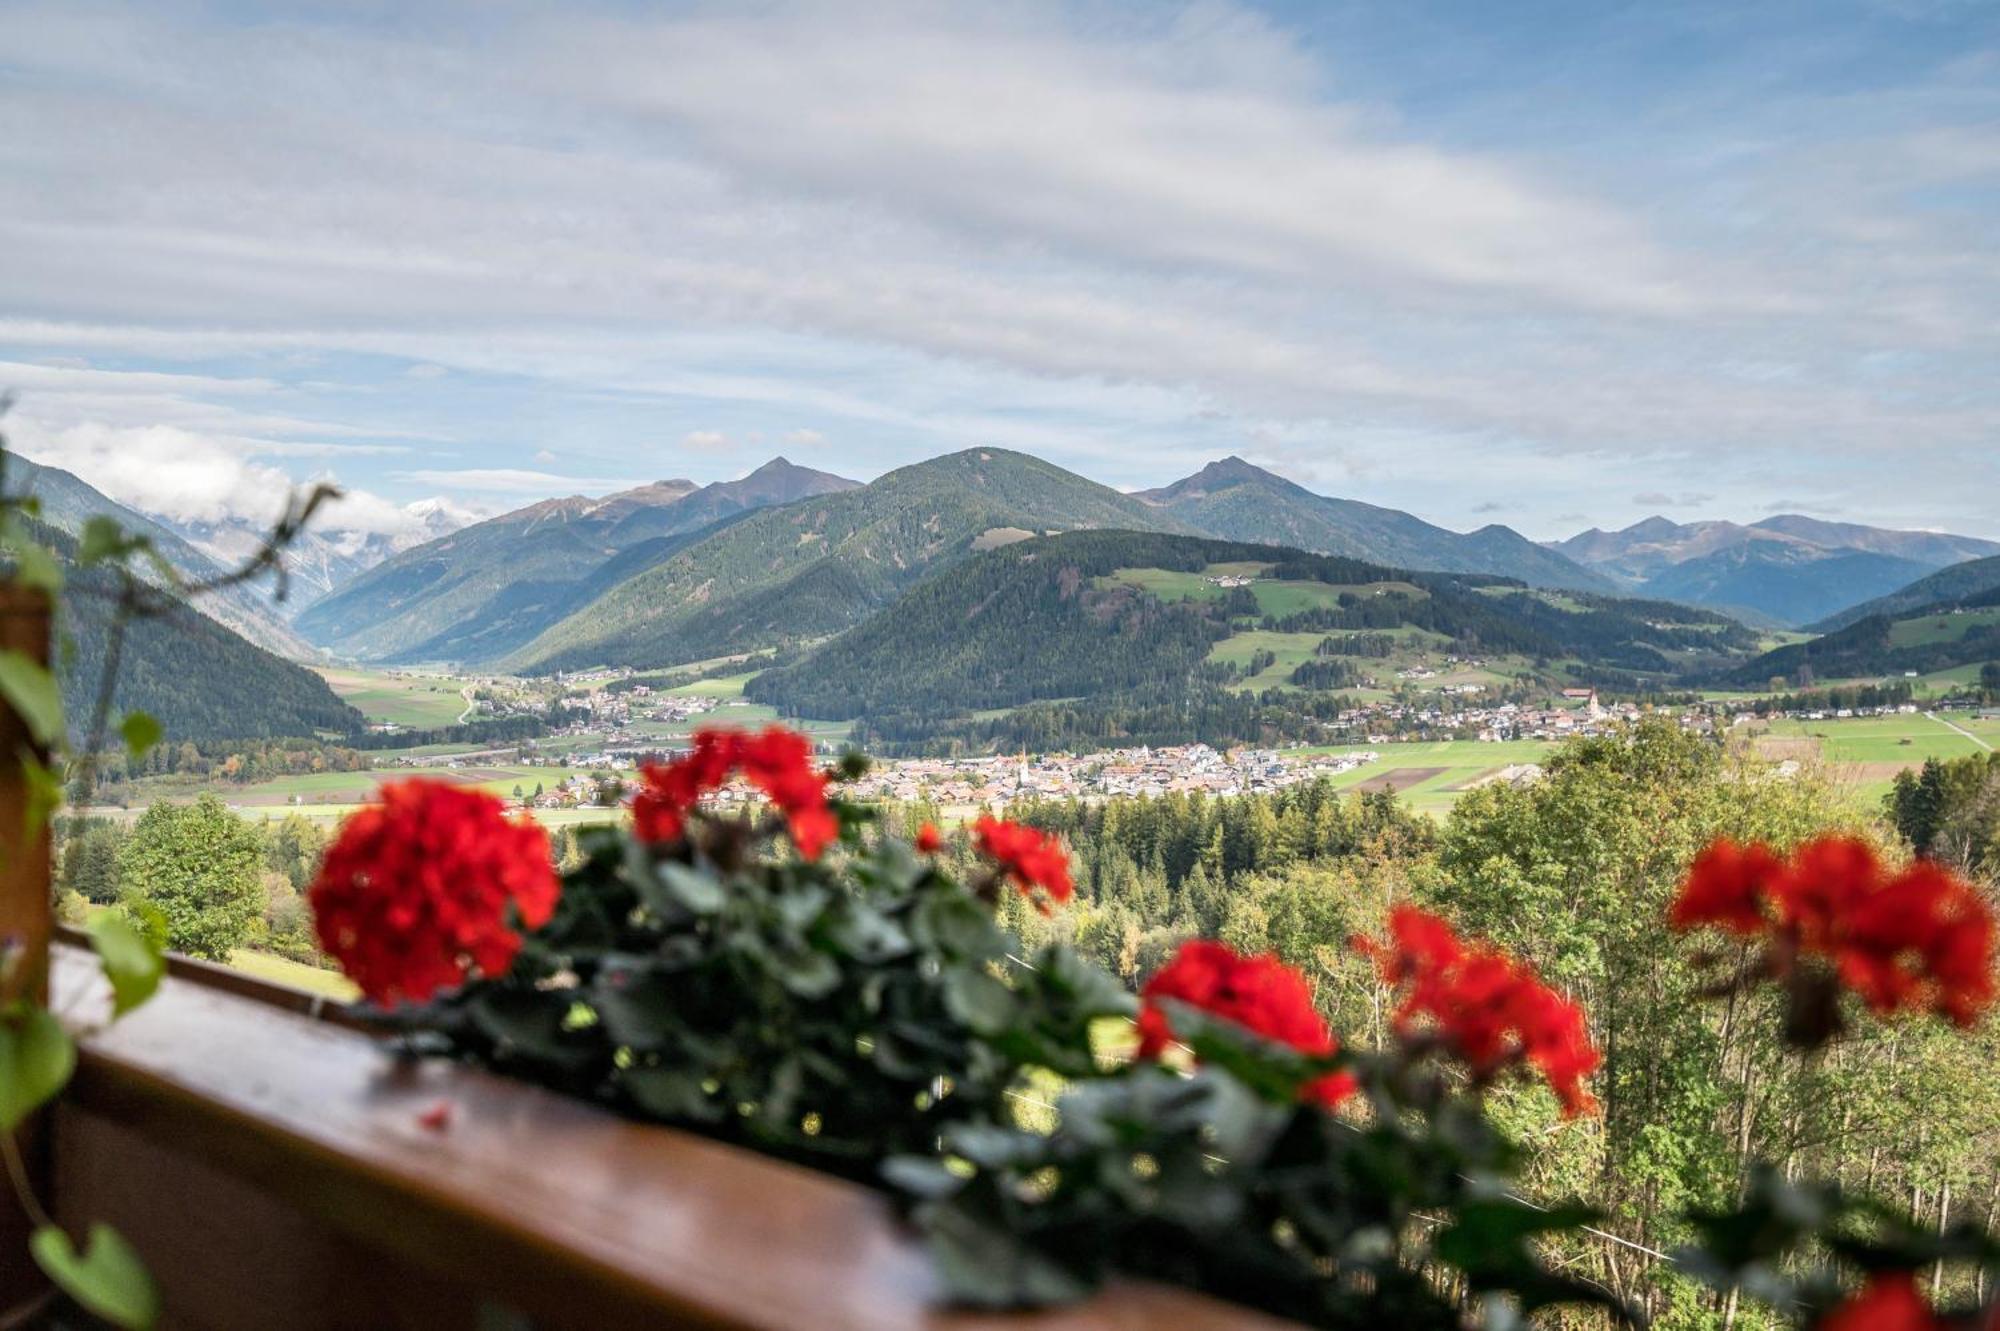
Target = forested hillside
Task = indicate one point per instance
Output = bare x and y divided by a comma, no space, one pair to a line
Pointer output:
482,592
1937,637
200,680
1946,586
1240,502
811,569
1127,634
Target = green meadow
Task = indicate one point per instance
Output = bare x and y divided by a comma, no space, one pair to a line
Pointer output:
419,702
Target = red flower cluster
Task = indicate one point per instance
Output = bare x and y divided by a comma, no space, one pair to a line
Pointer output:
413,895
1919,938
1489,1008
777,761
929,840
1261,994
1889,1302
1032,858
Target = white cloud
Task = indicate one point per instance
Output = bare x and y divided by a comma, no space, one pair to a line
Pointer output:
511,480
805,438
706,441
1071,229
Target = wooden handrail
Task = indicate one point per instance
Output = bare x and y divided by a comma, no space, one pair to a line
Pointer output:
540,1202
26,909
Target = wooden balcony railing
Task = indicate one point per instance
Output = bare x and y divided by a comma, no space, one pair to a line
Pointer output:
277,1168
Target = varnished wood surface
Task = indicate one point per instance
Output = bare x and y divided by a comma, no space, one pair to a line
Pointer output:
26,916
534,1200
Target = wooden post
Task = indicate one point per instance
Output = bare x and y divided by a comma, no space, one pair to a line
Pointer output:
26,916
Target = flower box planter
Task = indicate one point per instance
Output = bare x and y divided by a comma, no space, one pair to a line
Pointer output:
279,1169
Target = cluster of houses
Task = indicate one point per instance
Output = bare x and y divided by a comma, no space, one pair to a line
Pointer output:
1139,771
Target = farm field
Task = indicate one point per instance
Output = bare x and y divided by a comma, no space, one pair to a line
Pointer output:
418,702
1866,752
1430,777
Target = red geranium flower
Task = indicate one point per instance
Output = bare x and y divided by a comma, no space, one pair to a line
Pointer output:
1261,994
929,840
1491,1009
1821,887
413,895
777,761
1727,887
1032,858
1920,939
1889,1302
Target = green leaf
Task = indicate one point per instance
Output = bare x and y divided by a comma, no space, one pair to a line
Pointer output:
108,1279
638,1009
921,1177
978,1000
672,1093
45,792
36,1059
698,891
31,690
101,539
141,733
34,566
986,1267
132,964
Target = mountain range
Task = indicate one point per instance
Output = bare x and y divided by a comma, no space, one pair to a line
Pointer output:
672,573
484,591
567,583
1784,571
320,561
1238,501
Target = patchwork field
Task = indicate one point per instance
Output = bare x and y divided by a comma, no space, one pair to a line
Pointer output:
1431,777
1866,752
419,702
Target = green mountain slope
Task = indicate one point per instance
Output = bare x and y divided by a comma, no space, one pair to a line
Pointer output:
1948,585
483,591
1142,621
67,502
199,679
1781,585
1241,502
811,569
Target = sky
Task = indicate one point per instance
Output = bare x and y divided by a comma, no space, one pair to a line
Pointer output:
1554,265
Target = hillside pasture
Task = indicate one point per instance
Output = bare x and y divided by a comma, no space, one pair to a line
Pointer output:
1291,649
413,701
1924,630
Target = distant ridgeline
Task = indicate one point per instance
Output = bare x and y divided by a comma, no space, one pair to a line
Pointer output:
1098,637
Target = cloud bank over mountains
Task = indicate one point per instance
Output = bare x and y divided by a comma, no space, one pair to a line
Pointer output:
1424,255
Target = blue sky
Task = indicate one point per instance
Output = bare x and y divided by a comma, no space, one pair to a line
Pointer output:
1553,265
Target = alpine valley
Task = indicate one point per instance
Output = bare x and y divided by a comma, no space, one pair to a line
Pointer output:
1055,611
